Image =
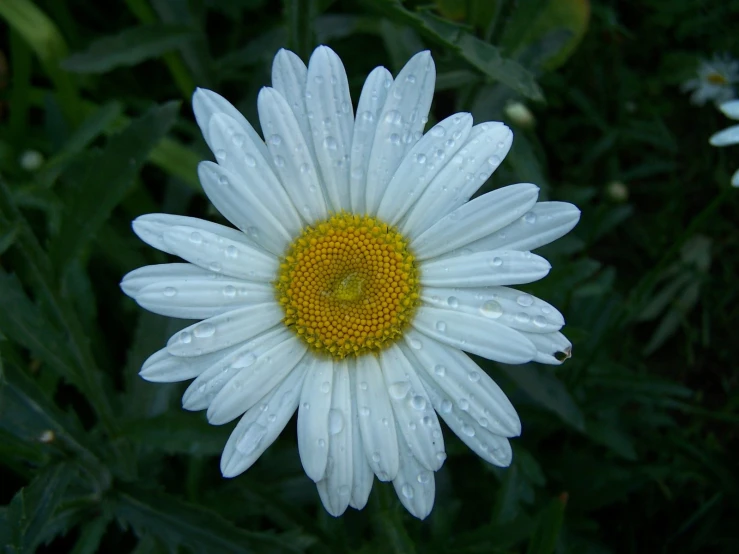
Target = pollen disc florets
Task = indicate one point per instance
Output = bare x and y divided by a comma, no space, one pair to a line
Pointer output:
348,285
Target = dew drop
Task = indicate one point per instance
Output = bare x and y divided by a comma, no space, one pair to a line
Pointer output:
368,117
411,78
491,309
441,456
468,430
376,457
525,300
395,138
215,267
185,337
453,302
363,385
322,443
438,131
474,376
279,161
335,422
416,344
494,161
540,321
522,317
530,217
399,390
446,406
231,251
325,387
364,411
330,143
220,154
245,360
407,491
393,117
464,404
196,238
440,370
250,160
441,326
275,140
169,291
418,402
204,330
421,158
229,291
223,180
424,477
318,79
496,262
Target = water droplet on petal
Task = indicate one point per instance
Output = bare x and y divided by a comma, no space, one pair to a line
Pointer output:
367,116
232,251
522,317
220,154
325,387
440,370
540,321
393,117
169,291
421,158
530,217
335,422
275,140
330,143
185,337
376,457
464,404
196,238
250,160
438,131
415,343
418,402
279,161
446,406
491,309
453,302
468,430
251,439
496,262
399,390
407,491
424,477
474,376
525,300
204,330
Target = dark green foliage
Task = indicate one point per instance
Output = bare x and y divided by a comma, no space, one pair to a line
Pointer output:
628,447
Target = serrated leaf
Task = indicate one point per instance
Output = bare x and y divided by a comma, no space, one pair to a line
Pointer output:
129,47
178,432
547,391
180,524
24,323
90,535
33,507
482,55
108,179
548,525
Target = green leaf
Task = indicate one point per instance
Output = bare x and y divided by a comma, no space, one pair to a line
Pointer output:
90,535
8,235
109,178
177,432
547,528
610,435
127,48
33,507
485,57
177,523
546,390
24,323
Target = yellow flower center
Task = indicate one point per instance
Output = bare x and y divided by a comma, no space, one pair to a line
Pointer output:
348,285
716,79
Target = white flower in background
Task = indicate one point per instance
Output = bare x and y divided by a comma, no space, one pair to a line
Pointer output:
31,160
519,114
359,273
714,82
730,135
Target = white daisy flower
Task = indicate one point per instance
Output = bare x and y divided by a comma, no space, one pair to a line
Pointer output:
714,82
359,276
730,135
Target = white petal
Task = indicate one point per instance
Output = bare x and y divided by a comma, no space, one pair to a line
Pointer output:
548,345
206,104
400,125
315,403
288,78
425,160
475,334
262,424
484,269
201,296
507,306
224,330
544,223
151,228
728,136
730,109
225,364
142,277
469,387
243,207
162,367
376,419
371,101
242,158
220,253
486,146
362,478
291,156
492,448
336,488
329,102
414,485
252,382
418,424
476,219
